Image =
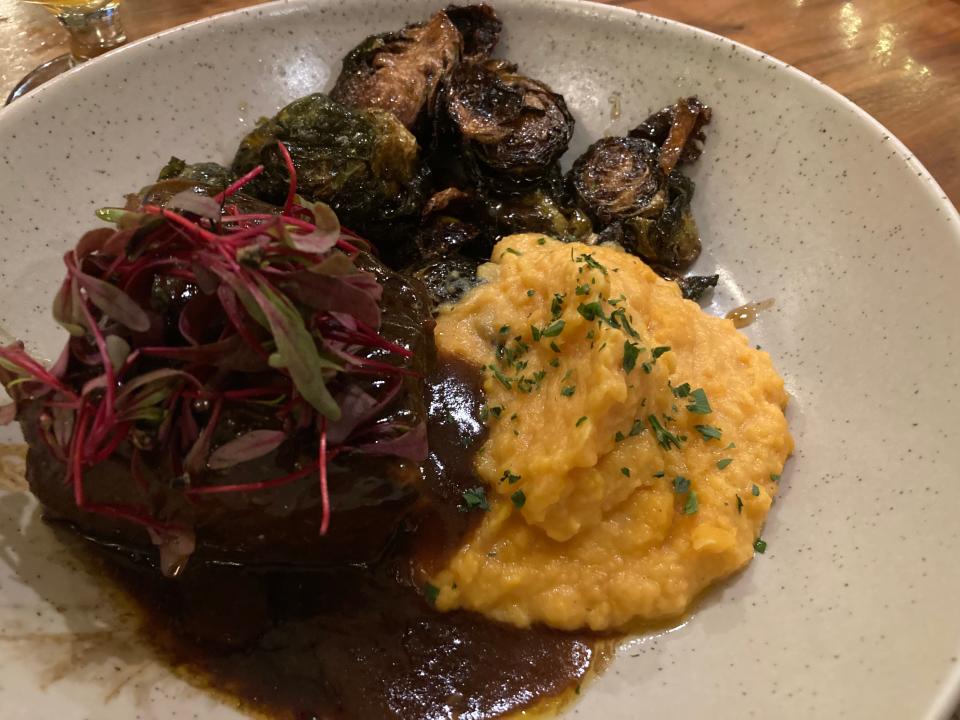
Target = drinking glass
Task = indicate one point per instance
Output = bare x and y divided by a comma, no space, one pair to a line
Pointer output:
94,27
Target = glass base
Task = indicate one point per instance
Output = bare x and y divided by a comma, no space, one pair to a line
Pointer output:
40,75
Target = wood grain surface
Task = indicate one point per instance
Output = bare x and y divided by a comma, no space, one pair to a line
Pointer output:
898,59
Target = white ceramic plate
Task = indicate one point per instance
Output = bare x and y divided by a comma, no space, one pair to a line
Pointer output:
802,197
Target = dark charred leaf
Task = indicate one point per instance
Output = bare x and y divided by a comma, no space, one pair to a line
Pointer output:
694,286
677,130
479,27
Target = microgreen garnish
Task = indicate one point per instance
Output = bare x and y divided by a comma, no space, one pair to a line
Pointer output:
253,279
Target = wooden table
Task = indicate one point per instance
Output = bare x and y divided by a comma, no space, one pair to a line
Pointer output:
898,59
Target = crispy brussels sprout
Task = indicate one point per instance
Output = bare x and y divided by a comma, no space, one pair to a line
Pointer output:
619,182
677,130
511,129
363,163
400,72
479,27
448,278
537,211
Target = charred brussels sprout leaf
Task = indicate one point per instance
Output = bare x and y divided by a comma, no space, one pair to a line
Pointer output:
694,286
537,211
400,72
479,27
512,129
207,173
363,163
619,182
677,130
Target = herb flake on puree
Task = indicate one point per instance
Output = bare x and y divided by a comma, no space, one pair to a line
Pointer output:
642,435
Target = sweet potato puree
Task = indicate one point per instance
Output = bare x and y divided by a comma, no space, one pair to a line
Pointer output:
634,443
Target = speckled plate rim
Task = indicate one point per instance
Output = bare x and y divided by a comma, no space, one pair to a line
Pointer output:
948,695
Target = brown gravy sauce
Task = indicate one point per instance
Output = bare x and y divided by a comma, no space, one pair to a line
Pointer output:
746,314
361,642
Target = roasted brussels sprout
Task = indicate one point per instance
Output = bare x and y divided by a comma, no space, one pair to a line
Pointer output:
537,211
677,130
400,72
619,182
363,163
479,27
510,128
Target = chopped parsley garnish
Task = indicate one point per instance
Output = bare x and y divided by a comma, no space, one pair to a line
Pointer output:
618,318
539,375
504,380
625,471
659,474
555,362
709,432
739,504
504,329
680,485
591,311
496,410
566,375
582,420
431,593
760,545
553,329
664,436
699,403
531,293
541,241
647,367
721,464
554,346
637,427
514,251
582,290
755,491
569,390
510,477
691,505
658,351
556,306
681,391
514,416
475,499
619,437
535,333
518,499
591,263
731,446
775,477
630,354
